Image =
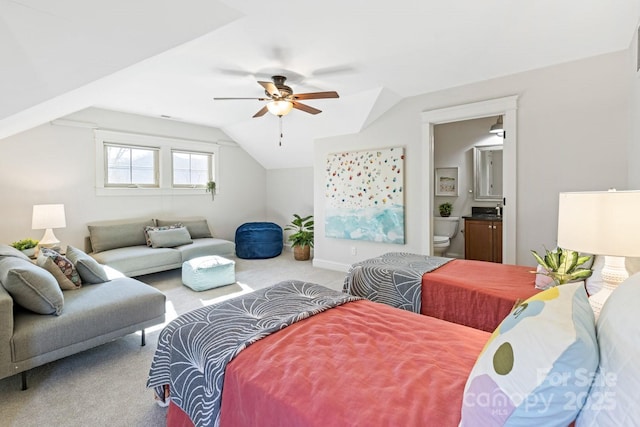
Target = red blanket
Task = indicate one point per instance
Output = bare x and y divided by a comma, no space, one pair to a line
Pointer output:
475,293
362,363
358,364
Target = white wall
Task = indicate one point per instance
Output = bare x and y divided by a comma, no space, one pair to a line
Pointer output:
634,115
56,164
573,133
289,191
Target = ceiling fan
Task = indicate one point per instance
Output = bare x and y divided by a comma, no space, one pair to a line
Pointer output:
282,99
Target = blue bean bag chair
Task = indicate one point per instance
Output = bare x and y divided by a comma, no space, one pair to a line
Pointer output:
259,240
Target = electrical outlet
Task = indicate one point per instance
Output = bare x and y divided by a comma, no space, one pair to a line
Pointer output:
354,250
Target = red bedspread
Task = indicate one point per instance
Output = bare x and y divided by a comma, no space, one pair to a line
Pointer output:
362,364
475,293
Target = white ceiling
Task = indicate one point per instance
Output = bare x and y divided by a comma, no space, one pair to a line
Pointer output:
173,57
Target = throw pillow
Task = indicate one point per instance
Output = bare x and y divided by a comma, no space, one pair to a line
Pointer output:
612,400
30,286
154,228
198,227
90,270
538,365
6,250
117,234
61,268
169,238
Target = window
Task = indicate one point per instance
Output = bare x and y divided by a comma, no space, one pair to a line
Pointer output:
191,169
151,165
128,166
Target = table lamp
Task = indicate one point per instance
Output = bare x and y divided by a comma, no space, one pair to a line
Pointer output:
602,223
48,217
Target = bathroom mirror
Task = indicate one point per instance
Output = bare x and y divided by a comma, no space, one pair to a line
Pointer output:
487,172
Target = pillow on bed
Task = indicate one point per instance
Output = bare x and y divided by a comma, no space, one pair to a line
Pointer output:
538,365
612,400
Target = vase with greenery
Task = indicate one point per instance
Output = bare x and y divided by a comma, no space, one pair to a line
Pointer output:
27,246
563,265
445,209
302,238
211,188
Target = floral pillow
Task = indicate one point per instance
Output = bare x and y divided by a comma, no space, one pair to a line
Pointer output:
61,268
538,365
160,228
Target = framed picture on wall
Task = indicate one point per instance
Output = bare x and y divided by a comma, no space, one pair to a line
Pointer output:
446,181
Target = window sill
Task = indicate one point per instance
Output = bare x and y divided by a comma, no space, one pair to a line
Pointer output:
109,191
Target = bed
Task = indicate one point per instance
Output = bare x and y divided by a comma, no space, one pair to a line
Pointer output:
472,293
332,359
357,363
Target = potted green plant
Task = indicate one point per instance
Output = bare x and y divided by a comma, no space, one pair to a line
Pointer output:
211,188
27,246
562,265
445,209
302,238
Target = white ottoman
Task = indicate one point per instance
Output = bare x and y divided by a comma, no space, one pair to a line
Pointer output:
208,272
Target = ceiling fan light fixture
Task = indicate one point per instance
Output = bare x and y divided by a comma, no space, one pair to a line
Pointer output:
280,108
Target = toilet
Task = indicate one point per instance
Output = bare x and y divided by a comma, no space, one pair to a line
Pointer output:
444,229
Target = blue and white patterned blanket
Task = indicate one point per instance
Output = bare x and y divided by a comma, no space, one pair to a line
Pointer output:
194,349
394,278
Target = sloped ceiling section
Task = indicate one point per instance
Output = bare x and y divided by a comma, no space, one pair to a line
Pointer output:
51,48
173,57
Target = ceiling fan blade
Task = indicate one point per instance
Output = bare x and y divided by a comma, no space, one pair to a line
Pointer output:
271,89
305,108
316,95
261,113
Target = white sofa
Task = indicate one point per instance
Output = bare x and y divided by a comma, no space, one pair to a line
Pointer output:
123,245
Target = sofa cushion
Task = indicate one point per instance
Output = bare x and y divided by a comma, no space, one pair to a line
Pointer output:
60,267
205,247
117,234
197,226
136,260
90,312
30,286
6,250
169,238
89,269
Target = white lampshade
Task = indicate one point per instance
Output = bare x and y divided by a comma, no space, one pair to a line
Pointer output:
280,108
602,223
48,217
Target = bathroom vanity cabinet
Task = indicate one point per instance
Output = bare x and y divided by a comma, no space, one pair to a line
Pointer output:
483,239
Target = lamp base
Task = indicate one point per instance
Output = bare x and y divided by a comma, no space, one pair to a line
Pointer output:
49,240
614,272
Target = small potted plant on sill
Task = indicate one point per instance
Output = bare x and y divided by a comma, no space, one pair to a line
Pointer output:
302,238
445,209
211,188
27,246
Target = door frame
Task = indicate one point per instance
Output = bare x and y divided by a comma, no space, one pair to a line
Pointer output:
508,108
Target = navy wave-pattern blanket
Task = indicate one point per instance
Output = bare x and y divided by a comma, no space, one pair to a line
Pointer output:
194,349
394,278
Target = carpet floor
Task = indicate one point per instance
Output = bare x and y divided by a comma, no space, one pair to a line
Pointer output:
106,385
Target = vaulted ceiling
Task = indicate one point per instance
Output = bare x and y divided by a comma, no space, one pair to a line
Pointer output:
172,57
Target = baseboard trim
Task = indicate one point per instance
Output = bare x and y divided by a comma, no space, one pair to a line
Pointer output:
331,265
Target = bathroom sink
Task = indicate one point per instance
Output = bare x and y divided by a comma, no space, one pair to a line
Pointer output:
487,216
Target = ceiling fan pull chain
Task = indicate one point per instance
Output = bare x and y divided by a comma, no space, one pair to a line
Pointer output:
280,142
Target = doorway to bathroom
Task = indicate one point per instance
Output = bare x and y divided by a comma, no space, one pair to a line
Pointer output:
485,111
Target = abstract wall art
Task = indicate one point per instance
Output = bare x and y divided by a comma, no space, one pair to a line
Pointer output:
365,195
